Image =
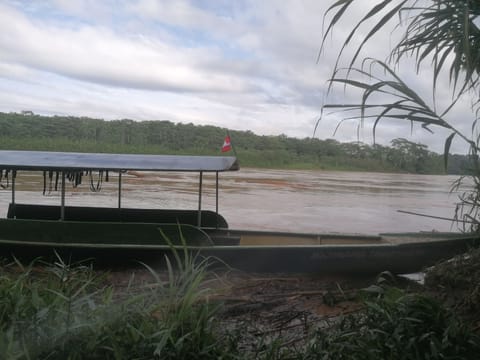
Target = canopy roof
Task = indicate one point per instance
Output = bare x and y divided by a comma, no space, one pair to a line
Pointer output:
58,161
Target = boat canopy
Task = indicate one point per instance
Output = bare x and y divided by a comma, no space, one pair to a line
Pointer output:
69,161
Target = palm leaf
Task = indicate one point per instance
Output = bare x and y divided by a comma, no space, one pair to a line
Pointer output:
344,6
409,105
377,26
446,151
443,32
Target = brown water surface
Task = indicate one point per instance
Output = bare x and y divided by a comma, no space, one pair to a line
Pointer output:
303,201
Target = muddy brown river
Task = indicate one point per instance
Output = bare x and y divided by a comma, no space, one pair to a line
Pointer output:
286,200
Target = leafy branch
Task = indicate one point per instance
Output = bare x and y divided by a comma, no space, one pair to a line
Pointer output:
403,103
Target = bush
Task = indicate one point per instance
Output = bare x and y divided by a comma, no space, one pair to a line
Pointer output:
63,312
408,326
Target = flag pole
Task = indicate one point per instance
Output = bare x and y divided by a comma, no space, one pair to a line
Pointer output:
231,144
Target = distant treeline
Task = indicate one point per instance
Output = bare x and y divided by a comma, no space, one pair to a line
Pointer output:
28,131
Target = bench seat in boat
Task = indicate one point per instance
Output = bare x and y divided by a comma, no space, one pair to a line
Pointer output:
209,219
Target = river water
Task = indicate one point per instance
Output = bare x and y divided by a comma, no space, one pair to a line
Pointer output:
286,200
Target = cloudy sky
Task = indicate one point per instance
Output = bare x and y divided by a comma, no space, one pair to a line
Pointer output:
243,65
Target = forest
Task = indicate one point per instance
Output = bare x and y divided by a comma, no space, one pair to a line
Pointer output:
28,131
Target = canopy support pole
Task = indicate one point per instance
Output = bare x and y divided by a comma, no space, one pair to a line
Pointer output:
119,189
14,175
62,205
216,196
199,221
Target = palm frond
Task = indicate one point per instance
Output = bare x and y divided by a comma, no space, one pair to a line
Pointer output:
444,31
402,103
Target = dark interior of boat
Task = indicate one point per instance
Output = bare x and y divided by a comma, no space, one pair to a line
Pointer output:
209,219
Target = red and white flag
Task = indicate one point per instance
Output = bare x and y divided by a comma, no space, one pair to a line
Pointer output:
227,145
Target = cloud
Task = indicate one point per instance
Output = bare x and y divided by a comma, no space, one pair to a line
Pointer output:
246,65
181,14
98,55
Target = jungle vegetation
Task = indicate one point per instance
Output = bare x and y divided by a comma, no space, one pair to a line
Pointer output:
28,131
57,310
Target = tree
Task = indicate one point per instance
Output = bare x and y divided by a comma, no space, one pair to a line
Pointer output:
444,32
409,156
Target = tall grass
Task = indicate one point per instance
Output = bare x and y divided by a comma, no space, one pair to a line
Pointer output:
457,283
396,325
60,311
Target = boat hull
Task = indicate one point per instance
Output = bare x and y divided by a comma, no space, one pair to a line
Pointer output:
341,259
352,259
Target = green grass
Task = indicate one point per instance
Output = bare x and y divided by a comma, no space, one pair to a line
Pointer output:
68,311
60,311
395,324
456,282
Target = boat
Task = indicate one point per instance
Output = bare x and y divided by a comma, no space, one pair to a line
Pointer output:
119,234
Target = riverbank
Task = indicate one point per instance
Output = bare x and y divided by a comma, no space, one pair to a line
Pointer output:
276,316
59,311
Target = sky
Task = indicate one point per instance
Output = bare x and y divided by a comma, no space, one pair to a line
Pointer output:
242,65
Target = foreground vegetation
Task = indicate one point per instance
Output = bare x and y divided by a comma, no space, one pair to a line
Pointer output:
34,132
61,311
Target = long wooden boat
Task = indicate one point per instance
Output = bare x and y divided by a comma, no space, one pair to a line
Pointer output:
119,234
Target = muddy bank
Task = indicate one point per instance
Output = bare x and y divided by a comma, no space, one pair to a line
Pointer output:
265,307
